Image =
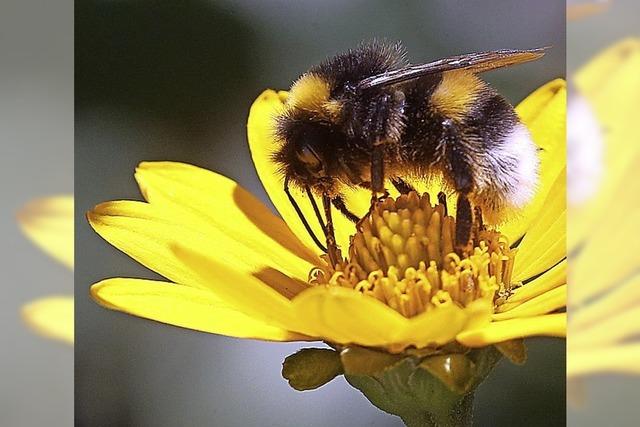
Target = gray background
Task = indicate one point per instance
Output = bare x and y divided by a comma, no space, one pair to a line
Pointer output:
174,81
36,159
607,399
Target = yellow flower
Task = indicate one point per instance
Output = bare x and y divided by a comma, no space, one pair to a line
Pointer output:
237,269
48,222
604,302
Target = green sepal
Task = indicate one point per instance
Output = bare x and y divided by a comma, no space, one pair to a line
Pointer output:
311,368
456,371
435,390
514,350
363,361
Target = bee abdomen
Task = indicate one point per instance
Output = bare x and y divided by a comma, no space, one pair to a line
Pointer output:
505,172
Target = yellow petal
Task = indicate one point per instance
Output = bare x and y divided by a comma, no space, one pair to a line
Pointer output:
184,306
51,317
544,113
48,222
534,105
245,292
549,325
219,201
148,233
346,316
544,244
546,282
542,304
621,359
442,324
263,144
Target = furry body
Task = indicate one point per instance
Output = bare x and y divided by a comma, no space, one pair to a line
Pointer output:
446,124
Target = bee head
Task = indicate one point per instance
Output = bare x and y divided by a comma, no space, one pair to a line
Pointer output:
307,143
315,125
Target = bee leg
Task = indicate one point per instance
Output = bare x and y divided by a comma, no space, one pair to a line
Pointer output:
442,199
464,220
478,225
377,171
338,202
459,170
402,186
477,215
367,186
332,247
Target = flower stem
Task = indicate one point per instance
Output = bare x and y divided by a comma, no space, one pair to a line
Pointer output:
458,415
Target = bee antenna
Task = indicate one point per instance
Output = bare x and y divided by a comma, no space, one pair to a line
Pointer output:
307,227
315,207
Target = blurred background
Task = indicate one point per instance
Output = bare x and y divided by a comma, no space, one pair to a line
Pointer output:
607,349
36,159
160,80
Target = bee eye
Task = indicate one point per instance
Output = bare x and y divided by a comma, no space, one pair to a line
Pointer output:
310,158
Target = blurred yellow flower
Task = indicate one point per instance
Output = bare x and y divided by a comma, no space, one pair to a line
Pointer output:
239,270
579,9
48,222
605,300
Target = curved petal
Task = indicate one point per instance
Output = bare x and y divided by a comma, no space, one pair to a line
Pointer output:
346,316
51,317
184,306
550,325
544,113
442,324
544,244
220,201
542,304
549,280
48,222
621,359
147,233
263,144
247,293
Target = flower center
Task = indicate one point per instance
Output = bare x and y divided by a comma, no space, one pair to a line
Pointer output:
404,256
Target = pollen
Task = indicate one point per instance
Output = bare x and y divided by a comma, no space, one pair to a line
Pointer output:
404,256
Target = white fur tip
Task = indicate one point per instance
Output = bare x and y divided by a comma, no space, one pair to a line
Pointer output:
520,146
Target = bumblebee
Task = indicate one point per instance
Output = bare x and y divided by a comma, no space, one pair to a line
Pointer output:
366,116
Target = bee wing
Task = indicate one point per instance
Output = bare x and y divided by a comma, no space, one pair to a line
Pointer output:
474,62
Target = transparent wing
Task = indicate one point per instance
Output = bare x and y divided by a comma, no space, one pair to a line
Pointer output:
475,62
